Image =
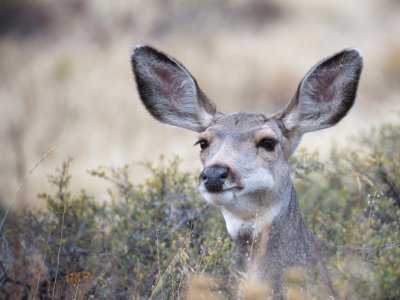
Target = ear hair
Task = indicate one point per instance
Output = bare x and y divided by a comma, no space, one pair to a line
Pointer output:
169,92
326,93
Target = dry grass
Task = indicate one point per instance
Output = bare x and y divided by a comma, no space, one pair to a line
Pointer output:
69,83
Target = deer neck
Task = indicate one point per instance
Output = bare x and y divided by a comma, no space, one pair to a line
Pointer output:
276,231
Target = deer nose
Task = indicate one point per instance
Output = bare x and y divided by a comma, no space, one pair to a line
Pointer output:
214,178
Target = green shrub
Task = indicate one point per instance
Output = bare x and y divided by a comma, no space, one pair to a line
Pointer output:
352,203
146,241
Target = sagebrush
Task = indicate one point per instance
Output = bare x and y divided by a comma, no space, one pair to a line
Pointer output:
147,241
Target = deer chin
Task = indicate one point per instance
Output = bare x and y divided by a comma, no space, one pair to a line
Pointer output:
241,202
222,198
243,210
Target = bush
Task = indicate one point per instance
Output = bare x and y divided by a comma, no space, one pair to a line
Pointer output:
352,203
144,242
147,241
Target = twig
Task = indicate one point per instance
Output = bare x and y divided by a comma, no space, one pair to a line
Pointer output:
59,251
158,260
98,281
23,182
64,198
43,262
168,269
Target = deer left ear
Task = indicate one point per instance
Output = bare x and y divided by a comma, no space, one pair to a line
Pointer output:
325,94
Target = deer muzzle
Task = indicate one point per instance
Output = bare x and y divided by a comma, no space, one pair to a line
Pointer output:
214,178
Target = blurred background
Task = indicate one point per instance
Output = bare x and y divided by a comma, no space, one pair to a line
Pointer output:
66,82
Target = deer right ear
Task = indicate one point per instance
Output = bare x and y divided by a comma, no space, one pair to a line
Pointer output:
169,92
326,93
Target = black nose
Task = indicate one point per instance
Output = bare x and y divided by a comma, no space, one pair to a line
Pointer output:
214,178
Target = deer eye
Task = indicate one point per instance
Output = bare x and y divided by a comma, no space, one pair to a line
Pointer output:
268,144
203,144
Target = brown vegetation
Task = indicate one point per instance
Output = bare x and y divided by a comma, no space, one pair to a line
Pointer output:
65,79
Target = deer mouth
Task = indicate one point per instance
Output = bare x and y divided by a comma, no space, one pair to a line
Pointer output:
222,197
217,190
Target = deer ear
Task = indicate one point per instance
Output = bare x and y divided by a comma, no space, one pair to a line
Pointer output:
169,92
326,93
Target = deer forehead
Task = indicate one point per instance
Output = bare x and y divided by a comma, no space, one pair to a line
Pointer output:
242,127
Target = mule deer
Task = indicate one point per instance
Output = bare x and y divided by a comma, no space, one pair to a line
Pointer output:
245,155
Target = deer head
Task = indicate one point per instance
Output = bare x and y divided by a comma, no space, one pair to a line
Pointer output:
245,155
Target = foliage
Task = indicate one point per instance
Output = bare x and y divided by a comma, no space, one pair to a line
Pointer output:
352,203
143,242
147,241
